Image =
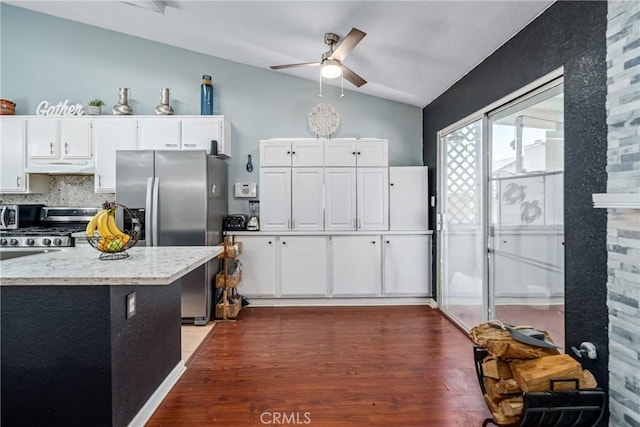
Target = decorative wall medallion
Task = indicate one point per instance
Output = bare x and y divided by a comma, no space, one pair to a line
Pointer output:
324,119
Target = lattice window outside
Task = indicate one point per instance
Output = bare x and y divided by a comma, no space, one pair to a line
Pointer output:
462,174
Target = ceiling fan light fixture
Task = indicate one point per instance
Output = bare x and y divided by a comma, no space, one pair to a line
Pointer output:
330,69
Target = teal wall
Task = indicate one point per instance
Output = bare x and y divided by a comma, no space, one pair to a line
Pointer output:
48,58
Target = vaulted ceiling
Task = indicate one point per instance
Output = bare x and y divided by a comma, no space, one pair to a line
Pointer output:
413,50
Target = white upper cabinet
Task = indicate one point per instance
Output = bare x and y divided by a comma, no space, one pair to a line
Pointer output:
372,198
307,199
13,178
158,134
110,134
340,199
55,138
198,133
284,152
275,199
356,152
408,198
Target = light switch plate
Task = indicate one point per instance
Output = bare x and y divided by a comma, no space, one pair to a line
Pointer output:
245,190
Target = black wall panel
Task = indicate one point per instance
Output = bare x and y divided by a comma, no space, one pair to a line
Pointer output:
572,35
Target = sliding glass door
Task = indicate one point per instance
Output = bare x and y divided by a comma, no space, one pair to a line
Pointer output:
501,234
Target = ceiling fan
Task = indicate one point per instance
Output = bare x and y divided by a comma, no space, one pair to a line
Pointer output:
331,63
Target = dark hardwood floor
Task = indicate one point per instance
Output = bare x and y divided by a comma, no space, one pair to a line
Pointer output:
330,366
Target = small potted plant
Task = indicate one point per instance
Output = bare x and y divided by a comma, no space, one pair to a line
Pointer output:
95,107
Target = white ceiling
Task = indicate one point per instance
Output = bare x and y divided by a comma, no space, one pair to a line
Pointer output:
413,51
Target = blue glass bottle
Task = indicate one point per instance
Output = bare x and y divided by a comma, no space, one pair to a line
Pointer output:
206,96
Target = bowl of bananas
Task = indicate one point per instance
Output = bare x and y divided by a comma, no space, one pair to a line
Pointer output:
104,234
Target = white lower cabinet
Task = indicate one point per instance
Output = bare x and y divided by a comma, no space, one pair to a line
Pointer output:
407,263
340,266
355,265
258,266
304,265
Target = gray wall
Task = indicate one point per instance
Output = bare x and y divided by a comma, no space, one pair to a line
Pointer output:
47,58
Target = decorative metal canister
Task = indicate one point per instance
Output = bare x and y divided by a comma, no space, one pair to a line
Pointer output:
122,107
164,109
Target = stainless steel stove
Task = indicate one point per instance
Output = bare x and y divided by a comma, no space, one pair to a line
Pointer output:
53,229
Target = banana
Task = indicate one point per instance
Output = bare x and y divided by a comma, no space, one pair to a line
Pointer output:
93,223
112,226
103,229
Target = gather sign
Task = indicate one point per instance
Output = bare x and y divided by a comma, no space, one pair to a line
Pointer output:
60,109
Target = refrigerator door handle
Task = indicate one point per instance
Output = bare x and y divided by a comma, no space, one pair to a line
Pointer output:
147,213
154,218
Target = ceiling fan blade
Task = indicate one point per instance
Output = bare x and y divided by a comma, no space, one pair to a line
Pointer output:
348,43
304,64
352,77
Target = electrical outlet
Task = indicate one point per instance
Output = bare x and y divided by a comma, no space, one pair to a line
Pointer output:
131,305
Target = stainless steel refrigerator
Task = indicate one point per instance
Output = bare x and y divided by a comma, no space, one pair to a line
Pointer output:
180,199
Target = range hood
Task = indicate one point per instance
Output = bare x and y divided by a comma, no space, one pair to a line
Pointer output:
62,168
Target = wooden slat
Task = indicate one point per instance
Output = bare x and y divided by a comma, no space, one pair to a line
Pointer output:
340,366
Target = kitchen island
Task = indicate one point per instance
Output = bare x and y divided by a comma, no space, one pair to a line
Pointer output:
72,352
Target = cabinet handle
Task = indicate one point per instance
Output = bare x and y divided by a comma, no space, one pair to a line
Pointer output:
269,242
354,153
288,224
17,181
99,180
358,153
189,145
51,148
293,224
66,148
288,152
373,241
388,242
358,223
353,223
284,243
170,145
391,184
293,152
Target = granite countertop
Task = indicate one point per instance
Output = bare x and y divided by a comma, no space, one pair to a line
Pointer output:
81,266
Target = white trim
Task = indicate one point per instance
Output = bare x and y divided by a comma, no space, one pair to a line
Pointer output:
616,200
147,410
330,232
542,81
334,302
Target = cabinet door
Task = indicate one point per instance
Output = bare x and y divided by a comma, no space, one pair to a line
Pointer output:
158,134
408,198
275,153
275,198
340,199
373,198
357,265
407,261
75,138
372,153
109,135
42,138
12,178
340,153
304,265
307,196
258,266
307,153
197,134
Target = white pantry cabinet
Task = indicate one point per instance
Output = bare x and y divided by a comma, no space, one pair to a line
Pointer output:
59,139
304,266
287,152
258,266
408,198
356,269
291,199
13,178
372,196
407,263
109,135
356,152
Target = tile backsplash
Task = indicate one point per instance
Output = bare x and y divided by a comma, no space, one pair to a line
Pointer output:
64,190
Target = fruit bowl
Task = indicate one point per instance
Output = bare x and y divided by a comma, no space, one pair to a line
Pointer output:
104,235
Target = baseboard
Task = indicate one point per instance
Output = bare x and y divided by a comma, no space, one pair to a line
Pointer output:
158,396
328,302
